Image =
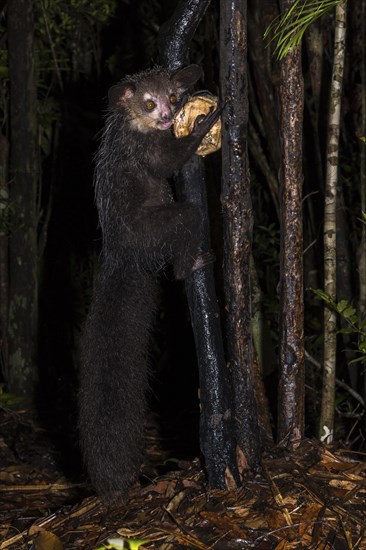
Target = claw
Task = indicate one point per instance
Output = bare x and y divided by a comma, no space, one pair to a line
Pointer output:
207,121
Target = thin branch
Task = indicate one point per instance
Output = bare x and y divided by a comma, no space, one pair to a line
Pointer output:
57,68
330,226
339,383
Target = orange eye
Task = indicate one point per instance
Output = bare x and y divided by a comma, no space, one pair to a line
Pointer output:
173,99
150,105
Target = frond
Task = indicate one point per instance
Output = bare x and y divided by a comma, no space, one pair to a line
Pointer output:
288,28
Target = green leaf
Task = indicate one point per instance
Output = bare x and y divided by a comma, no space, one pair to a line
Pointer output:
358,360
349,312
288,29
8,400
124,544
324,296
362,346
342,305
345,331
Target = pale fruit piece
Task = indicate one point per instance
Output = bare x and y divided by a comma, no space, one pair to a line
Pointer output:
184,122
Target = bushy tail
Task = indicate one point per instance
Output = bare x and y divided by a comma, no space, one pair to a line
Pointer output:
114,380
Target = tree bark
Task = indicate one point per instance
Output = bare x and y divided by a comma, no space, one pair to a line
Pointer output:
217,438
262,350
361,252
4,256
23,260
359,14
238,221
330,226
291,393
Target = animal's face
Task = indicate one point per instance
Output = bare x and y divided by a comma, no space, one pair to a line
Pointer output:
151,98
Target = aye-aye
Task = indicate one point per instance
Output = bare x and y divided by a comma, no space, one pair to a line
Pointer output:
143,229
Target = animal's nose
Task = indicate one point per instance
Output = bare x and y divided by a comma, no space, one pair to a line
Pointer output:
166,116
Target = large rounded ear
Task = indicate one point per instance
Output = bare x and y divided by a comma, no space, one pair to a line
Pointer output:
120,93
185,78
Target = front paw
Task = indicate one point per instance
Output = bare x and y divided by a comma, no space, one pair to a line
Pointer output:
204,123
206,258
182,270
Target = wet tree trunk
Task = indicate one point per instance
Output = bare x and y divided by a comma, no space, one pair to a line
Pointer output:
238,220
330,226
291,374
361,252
4,257
217,439
23,261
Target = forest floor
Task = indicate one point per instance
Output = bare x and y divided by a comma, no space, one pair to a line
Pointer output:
314,498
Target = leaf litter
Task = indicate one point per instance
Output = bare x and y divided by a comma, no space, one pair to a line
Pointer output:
312,498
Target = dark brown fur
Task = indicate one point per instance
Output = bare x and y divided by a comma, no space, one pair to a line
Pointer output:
143,230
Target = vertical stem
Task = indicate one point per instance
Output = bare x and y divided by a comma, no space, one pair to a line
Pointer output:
330,206
361,252
362,246
217,440
238,220
291,393
4,256
23,254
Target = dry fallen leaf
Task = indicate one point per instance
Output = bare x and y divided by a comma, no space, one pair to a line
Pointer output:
45,540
